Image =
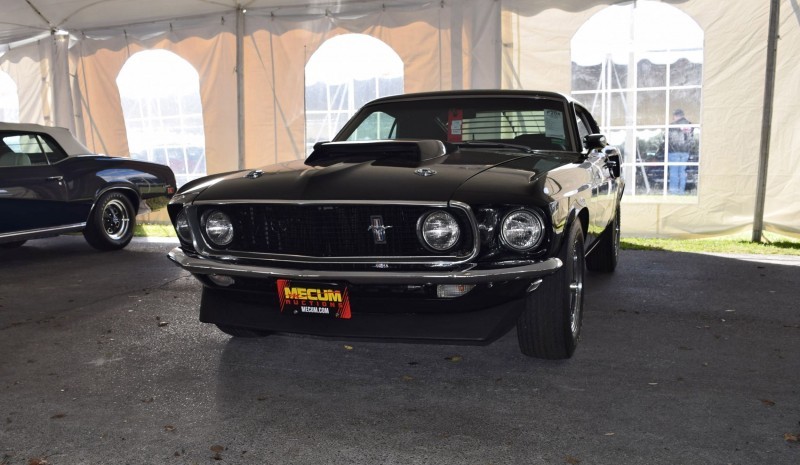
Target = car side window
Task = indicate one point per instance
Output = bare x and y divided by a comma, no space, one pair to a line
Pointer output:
586,124
25,149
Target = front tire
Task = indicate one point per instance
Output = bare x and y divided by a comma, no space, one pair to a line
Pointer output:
111,222
550,325
237,331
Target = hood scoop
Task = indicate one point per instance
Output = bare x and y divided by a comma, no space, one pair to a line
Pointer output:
401,153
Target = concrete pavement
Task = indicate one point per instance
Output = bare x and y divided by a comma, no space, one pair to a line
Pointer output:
685,359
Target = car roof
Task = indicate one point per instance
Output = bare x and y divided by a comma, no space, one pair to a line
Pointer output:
471,93
62,136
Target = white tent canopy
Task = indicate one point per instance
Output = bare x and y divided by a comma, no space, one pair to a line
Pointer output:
251,57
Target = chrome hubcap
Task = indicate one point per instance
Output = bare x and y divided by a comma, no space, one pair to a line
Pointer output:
576,290
115,219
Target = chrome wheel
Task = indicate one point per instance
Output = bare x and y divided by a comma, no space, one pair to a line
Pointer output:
115,220
576,290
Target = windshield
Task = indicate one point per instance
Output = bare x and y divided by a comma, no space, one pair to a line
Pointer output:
538,123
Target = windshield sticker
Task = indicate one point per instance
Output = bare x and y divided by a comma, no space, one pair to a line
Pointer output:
455,120
554,124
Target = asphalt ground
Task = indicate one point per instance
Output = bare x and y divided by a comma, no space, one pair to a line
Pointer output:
685,359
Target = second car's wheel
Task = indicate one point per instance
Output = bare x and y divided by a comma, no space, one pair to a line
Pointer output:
237,331
12,245
111,222
605,255
550,325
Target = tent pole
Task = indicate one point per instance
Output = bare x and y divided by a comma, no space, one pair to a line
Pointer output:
240,83
766,119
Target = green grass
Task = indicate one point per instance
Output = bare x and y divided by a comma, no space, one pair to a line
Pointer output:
782,246
775,245
154,230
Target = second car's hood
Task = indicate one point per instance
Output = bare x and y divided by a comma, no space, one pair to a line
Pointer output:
367,180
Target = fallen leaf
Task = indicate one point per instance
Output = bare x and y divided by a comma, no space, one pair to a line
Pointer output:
148,401
408,378
789,437
38,461
58,415
572,460
767,402
453,358
161,324
217,448
169,428
348,347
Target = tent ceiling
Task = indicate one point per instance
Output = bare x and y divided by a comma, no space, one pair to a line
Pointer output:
23,19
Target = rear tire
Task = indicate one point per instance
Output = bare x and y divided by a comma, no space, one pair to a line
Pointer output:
111,222
550,325
605,255
237,331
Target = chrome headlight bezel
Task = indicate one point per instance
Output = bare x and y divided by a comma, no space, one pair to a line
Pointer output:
218,228
522,230
182,227
439,231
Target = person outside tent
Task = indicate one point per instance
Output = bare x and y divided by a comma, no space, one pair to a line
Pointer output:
680,143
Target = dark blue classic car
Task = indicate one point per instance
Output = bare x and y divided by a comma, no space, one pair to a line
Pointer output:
51,184
450,216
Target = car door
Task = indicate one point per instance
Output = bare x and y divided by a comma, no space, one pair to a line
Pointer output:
33,194
603,200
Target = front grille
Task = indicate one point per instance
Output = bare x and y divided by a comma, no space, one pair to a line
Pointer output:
334,230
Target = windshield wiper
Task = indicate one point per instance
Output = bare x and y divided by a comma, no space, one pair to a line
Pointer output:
501,145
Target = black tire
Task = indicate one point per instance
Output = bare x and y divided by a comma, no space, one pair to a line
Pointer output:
550,325
111,222
237,331
604,257
12,245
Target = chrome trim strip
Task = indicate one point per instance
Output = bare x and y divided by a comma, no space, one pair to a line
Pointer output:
205,266
320,202
31,233
205,249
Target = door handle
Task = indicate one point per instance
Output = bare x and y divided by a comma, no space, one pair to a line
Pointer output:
56,178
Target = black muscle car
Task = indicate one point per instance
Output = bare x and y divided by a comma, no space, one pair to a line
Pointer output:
51,184
448,216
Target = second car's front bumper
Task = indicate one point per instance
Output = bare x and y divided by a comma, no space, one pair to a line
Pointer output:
203,266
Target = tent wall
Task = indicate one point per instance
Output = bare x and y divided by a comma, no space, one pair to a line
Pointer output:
515,44
538,56
208,45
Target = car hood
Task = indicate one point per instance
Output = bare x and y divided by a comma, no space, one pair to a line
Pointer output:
370,180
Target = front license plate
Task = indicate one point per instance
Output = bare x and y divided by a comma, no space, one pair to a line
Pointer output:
314,299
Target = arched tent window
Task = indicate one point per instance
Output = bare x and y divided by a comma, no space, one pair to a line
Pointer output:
638,68
346,72
9,99
160,95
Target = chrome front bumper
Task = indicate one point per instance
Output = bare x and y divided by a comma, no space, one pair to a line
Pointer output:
204,266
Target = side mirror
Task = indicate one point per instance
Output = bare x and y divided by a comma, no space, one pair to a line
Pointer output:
613,162
594,141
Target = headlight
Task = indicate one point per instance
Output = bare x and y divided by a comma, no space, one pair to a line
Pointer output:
521,230
182,227
218,228
439,230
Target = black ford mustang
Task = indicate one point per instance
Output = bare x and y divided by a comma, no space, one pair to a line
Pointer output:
51,184
448,216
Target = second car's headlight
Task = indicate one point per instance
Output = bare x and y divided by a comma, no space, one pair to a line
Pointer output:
439,230
218,228
521,230
182,227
